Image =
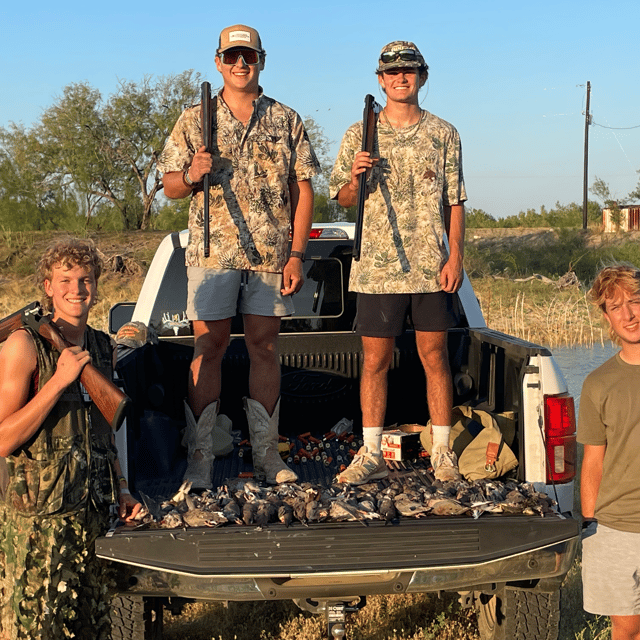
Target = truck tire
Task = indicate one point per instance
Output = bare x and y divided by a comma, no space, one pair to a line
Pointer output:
518,614
136,618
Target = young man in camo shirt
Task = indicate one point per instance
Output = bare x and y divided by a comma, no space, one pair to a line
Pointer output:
260,167
415,196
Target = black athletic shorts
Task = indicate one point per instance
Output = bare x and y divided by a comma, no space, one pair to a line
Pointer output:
384,315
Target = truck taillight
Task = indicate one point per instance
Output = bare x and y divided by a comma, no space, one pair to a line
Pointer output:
328,232
560,438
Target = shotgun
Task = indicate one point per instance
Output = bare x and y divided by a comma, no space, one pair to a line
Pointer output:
206,141
369,119
109,400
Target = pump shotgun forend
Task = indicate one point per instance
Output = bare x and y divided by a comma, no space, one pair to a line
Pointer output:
206,141
369,119
108,398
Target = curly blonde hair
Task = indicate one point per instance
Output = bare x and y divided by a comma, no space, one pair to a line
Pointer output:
620,275
67,252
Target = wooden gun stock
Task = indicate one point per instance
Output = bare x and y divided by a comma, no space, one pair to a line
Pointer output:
369,118
206,141
109,400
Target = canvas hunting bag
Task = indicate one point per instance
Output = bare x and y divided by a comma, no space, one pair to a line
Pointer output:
482,446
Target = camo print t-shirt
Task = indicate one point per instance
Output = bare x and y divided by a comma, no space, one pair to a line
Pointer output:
419,172
253,166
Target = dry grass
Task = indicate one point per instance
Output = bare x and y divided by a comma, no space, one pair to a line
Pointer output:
18,292
531,310
539,312
393,617
127,257
409,617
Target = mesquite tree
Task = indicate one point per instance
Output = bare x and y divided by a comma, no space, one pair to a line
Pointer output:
87,155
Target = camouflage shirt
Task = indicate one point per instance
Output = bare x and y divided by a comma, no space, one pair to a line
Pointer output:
253,166
419,172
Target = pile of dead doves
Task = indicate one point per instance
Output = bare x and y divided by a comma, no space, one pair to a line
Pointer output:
245,502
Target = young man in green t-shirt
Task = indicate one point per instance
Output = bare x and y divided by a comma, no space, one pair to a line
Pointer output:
609,429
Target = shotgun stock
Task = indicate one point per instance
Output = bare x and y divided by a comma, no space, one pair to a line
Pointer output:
109,400
369,119
206,141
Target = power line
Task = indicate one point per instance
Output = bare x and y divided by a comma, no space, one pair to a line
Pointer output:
595,124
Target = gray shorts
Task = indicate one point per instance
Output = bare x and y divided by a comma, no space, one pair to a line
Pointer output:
611,572
217,294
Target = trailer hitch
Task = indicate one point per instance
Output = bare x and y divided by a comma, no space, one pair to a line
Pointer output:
335,612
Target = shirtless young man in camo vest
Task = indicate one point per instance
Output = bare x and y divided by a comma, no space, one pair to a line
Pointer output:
59,471
415,196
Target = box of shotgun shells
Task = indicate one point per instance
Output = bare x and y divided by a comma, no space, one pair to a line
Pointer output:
402,442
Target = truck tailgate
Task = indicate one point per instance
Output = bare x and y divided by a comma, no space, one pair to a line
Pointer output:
340,559
326,547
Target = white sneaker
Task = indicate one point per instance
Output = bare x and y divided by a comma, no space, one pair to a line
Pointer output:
445,465
364,468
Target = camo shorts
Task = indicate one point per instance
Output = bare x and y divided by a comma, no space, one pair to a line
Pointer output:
611,572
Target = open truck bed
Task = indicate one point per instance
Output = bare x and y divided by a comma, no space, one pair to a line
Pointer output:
325,565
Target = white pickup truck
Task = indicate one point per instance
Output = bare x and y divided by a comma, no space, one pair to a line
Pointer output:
509,567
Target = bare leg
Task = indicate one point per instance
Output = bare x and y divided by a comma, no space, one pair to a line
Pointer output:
369,464
261,337
205,381
432,347
373,383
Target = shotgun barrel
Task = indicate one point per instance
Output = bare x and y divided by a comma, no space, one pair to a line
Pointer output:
369,118
14,321
206,141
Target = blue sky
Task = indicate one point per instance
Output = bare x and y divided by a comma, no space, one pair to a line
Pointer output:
510,76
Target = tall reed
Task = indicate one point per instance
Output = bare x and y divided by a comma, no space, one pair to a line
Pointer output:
539,312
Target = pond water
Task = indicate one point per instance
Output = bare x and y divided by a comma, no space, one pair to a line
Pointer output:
577,362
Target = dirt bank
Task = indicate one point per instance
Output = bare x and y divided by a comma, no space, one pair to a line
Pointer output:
542,236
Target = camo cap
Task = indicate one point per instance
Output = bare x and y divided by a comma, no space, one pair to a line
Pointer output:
239,35
397,46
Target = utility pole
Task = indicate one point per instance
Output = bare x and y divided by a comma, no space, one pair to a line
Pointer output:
587,122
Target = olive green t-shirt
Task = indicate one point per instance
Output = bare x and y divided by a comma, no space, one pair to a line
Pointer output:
610,415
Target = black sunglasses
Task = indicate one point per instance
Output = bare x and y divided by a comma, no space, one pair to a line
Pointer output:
407,55
250,56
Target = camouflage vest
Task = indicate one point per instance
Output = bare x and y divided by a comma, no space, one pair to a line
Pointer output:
68,464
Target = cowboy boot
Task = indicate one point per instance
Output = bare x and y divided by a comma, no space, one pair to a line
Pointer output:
199,440
263,431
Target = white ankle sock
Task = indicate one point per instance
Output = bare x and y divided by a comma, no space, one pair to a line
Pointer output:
440,435
372,437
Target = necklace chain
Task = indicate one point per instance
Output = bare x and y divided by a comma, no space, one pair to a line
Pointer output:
412,127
